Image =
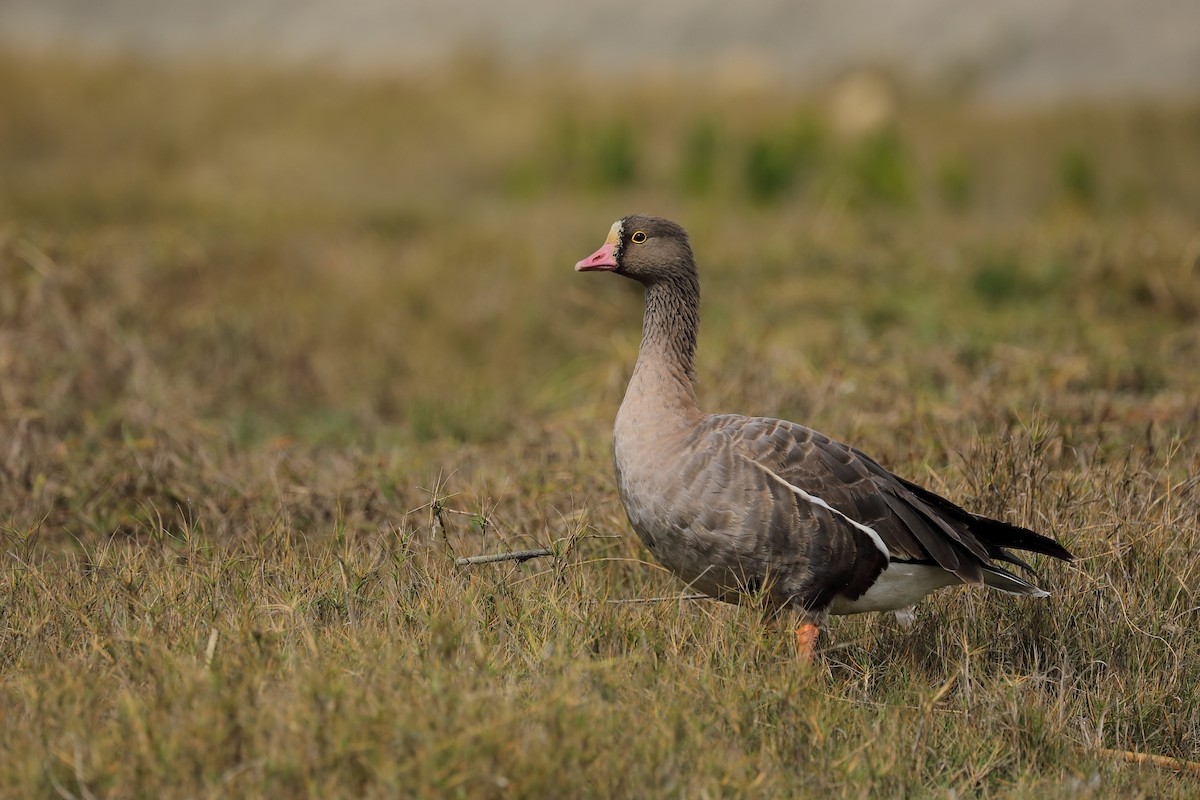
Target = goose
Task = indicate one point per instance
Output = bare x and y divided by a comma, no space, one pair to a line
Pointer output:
757,509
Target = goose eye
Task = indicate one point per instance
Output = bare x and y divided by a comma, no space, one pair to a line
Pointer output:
638,237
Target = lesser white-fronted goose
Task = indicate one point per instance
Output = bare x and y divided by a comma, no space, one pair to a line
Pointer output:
748,506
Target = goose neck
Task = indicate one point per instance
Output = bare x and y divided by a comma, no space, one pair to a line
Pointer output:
666,361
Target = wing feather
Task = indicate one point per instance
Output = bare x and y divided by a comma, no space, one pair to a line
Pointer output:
913,523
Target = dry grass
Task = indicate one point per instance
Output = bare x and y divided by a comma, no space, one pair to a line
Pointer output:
274,348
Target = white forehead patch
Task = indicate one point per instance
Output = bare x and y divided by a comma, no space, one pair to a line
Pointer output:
615,232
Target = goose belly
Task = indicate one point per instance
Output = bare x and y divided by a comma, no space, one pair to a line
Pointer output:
686,515
714,562
899,586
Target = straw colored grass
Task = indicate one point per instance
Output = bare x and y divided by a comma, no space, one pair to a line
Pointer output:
277,348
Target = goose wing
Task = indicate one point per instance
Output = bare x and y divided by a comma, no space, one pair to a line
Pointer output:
859,499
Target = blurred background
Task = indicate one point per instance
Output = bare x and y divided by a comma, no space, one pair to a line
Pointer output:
1021,51
301,225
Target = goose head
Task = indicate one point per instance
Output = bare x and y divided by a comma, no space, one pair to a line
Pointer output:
649,250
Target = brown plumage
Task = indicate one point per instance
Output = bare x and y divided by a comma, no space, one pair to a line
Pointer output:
738,506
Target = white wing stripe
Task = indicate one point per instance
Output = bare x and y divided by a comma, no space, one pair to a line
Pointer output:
816,501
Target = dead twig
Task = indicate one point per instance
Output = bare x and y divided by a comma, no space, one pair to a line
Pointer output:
632,600
491,558
1177,764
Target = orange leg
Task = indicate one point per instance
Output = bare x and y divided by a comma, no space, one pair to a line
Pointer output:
806,641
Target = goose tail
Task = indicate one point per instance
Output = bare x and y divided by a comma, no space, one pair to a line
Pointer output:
1006,582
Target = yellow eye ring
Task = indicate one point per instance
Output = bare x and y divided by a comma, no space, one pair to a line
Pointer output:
638,237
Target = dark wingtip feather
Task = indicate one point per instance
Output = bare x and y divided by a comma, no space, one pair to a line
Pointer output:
1000,554
993,533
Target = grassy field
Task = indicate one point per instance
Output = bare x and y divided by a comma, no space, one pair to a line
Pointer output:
276,347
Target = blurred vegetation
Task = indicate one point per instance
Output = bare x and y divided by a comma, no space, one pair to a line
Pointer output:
881,170
274,346
1078,178
779,156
